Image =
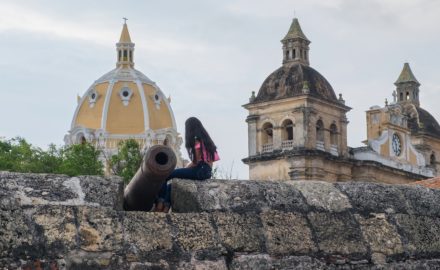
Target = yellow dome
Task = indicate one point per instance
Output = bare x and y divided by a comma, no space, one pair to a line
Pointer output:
123,104
124,101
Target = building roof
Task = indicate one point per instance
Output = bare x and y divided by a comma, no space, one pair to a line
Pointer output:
295,31
295,79
406,75
429,183
424,123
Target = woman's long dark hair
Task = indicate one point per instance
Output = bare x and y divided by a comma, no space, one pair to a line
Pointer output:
194,131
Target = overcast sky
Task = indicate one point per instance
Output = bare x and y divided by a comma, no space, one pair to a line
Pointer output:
209,56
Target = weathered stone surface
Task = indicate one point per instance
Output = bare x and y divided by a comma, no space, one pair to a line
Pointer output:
322,195
99,229
236,196
15,234
49,221
374,198
194,231
239,232
52,189
183,196
203,265
104,191
422,234
421,200
380,235
144,233
338,233
264,261
57,228
287,233
413,265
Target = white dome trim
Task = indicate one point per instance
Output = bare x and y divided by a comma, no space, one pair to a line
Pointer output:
144,104
81,101
108,96
124,74
165,100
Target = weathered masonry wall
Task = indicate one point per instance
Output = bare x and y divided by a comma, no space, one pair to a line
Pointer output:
58,222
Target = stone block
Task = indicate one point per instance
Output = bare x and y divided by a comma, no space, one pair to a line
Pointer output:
421,200
53,189
184,196
338,233
195,264
145,232
100,229
56,227
16,236
264,261
239,232
235,196
103,191
194,231
322,195
374,198
381,236
422,234
287,233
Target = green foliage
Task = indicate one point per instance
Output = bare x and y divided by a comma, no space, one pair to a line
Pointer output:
17,155
128,159
81,159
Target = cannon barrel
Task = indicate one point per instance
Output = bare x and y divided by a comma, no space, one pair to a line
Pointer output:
156,166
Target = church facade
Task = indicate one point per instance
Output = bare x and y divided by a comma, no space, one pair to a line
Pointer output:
297,128
124,104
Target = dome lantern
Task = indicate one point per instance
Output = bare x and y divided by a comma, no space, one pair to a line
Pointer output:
407,86
125,48
295,45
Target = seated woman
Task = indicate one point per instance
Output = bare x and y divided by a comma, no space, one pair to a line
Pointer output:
202,152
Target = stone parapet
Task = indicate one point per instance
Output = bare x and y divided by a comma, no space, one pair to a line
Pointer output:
218,224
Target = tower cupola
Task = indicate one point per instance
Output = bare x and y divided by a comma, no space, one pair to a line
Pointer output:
407,86
295,45
125,48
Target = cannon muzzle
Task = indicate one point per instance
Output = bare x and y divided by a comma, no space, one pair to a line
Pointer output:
156,166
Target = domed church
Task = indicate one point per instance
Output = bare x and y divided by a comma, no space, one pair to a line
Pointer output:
124,104
297,127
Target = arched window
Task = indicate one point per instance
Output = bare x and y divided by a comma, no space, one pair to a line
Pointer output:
319,131
333,134
119,55
287,54
407,95
125,55
267,137
401,96
432,160
131,56
287,134
267,133
294,54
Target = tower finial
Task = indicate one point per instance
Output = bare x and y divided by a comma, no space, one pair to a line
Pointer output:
125,20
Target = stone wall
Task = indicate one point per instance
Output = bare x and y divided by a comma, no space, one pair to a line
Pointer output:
58,222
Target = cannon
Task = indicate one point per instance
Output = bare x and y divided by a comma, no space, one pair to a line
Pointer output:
158,163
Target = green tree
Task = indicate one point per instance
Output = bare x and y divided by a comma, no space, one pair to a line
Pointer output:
81,159
128,159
